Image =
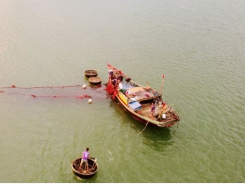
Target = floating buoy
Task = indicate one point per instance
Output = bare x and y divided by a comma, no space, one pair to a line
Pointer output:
0,90
50,86
84,86
90,101
13,86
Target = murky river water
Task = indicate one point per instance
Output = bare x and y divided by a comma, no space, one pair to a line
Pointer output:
198,45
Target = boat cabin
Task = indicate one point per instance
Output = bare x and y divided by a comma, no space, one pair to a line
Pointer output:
139,98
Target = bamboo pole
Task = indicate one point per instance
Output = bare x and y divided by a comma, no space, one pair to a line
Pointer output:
162,85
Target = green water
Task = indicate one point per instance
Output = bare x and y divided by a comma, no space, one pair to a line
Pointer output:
197,45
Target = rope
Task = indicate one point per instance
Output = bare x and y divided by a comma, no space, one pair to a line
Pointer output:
13,86
51,96
144,128
44,96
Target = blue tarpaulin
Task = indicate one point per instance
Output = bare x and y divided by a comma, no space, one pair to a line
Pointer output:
135,105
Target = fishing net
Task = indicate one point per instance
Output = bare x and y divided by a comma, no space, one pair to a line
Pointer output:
110,88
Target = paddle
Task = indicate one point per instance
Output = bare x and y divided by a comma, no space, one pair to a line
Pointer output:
95,159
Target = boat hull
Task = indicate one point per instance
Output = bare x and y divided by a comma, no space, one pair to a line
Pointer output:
142,102
92,165
143,119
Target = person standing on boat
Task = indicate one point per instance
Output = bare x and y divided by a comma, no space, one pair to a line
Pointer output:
153,106
85,156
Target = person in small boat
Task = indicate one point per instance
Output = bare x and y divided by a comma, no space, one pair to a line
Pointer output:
85,156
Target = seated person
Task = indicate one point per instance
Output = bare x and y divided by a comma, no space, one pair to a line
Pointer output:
120,84
128,79
120,78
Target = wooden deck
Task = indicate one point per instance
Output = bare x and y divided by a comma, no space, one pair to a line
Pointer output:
146,110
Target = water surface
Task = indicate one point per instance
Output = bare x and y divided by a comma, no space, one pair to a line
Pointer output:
197,45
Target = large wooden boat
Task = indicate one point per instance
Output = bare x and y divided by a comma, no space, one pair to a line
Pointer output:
142,102
81,172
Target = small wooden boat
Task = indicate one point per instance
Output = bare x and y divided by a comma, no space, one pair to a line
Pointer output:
91,73
81,172
142,102
94,80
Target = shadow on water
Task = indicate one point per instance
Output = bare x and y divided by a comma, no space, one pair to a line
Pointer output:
85,180
155,137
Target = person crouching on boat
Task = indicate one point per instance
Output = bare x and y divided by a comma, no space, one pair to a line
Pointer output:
85,156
